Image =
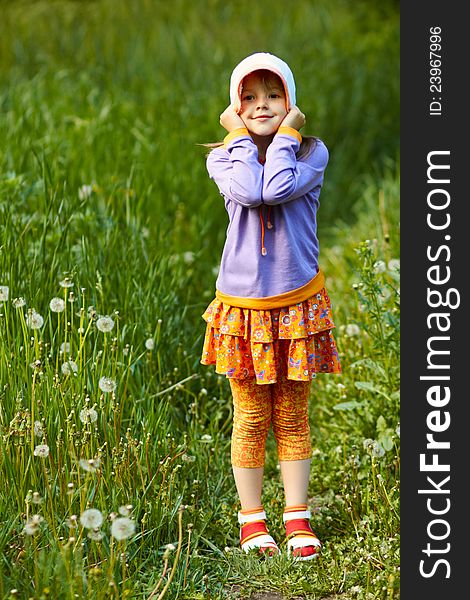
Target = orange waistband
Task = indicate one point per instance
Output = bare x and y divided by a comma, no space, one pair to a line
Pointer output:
286,299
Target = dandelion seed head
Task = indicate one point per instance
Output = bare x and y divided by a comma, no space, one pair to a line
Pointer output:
91,465
379,266
66,282
105,324
125,511
106,384
65,347
397,430
352,330
38,429
4,293
18,302
393,264
88,415
95,535
188,257
32,525
69,368
85,191
91,518
377,450
206,438
36,499
34,320
72,522
42,450
57,305
122,528
150,344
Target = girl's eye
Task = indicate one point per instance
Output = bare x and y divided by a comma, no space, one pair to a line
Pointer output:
248,97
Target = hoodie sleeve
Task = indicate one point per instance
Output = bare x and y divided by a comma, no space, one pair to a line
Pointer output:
286,178
236,170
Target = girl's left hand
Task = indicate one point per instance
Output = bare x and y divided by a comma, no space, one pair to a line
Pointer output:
294,119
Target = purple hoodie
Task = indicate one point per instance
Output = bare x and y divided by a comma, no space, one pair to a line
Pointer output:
283,193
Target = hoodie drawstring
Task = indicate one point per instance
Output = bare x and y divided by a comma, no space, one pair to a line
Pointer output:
269,225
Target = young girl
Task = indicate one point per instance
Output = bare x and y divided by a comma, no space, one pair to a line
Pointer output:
269,327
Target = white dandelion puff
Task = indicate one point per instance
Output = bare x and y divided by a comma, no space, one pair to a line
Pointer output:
91,465
95,535
18,302
105,324
393,264
41,450
32,525
71,522
57,305
150,344
85,191
69,368
66,282
106,384
36,499
379,266
4,292
377,450
34,320
206,438
188,458
38,429
188,257
397,430
122,528
352,330
65,347
88,415
125,510
91,518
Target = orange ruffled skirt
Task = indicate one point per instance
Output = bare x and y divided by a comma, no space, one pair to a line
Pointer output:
296,340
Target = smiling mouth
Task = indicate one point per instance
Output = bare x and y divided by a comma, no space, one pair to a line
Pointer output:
264,117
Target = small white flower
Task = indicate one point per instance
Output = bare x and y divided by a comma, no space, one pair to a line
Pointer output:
106,384
34,319
57,305
38,429
4,291
36,499
91,465
66,282
69,368
188,257
71,522
394,264
85,191
91,518
206,438
122,528
150,344
379,266
41,450
18,302
105,324
352,330
88,415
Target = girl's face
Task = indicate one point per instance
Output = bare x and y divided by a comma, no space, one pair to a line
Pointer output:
263,103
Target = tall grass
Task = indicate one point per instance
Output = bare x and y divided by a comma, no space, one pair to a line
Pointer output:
102,187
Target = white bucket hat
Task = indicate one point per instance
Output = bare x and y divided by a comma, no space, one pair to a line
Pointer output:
255,62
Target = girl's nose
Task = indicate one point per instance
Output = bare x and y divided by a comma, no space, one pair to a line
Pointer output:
262,103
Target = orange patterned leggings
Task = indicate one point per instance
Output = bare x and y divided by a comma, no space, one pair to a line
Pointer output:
284,405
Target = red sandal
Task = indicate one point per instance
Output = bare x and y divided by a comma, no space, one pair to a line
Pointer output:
254,533
302,542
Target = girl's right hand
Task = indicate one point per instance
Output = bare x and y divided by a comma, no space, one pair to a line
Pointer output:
231,120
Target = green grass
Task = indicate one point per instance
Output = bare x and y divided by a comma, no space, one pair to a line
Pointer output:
116,96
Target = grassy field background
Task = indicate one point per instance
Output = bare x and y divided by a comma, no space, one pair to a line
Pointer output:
106,207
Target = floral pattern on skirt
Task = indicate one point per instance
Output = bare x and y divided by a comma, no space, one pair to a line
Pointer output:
296,339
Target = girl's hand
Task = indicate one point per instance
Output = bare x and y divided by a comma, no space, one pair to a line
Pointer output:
294,119
231,120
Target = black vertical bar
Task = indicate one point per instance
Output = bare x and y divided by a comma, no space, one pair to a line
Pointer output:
435,240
